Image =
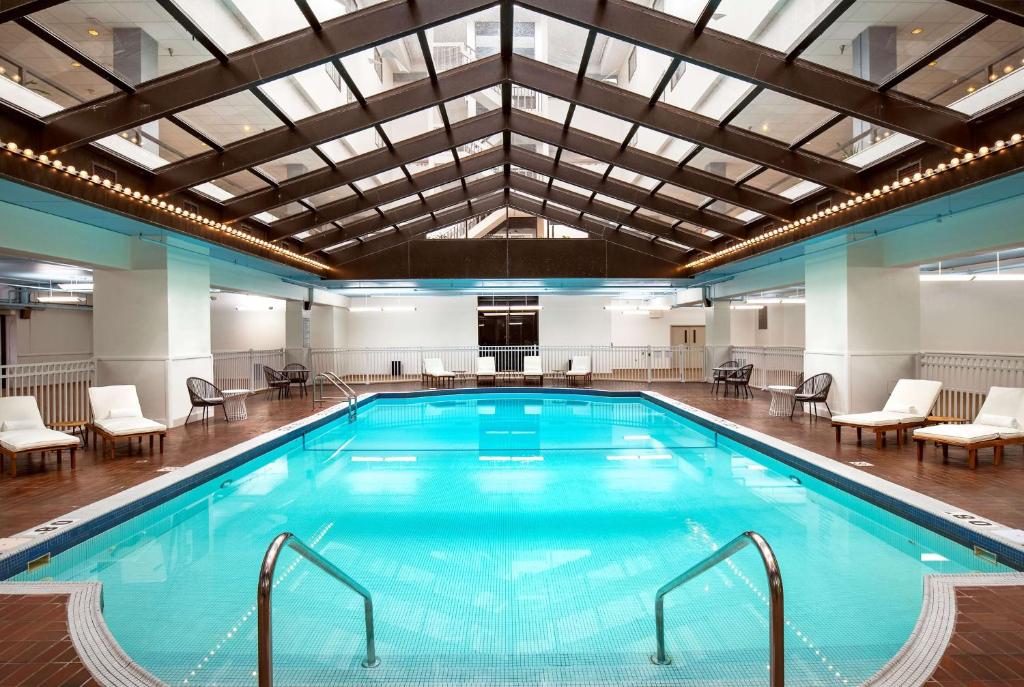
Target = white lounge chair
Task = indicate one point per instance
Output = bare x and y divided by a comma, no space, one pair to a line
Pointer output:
908,406
579,371
22,432
434,372
116,414
485,369
1000,422
532,369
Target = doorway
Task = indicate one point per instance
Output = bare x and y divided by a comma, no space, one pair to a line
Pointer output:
687,335
507,329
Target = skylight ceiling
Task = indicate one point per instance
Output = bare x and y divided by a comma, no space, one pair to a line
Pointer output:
414,114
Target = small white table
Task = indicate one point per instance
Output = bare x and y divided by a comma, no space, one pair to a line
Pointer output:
782,399
234,403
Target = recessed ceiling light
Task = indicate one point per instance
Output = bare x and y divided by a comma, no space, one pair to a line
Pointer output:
932,63
75,64
93,32
246,127
917,31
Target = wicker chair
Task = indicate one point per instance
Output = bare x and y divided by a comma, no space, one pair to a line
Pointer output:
813,390
204,395
740,379
721,372
277,380
298,375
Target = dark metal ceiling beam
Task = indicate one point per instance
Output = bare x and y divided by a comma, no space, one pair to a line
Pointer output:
1007,10
197,33
367,165
765,67
683,124
15,9
644,163
627,193
329,125
403,213
706,15
816,31
72,51
340,210
249,67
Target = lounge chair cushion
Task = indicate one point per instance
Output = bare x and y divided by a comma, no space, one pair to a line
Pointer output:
913,396
11,425
878,418
18,440
123,412
1006,421
577,373
124,426
485,366
961,433
904,408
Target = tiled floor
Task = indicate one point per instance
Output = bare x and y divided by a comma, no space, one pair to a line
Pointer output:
987,647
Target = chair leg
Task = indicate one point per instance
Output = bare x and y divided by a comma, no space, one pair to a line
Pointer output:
920,450
828,409
74,450
162,442
225,411
187,417
792,409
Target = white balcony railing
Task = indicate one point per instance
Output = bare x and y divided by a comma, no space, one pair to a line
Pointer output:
772,364
61,388
967,377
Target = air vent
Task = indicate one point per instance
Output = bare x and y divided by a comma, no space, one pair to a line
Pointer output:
909,170
104,172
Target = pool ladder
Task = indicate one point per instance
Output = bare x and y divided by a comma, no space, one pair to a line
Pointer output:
340,385
776,625
264,632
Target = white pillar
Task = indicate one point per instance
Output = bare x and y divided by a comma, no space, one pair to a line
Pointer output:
717,333
151,327
862,325
322,326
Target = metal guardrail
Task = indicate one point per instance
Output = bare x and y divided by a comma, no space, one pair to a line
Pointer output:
263,602
340,385
775,601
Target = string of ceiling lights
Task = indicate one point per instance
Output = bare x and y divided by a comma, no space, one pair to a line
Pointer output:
896,185
154,202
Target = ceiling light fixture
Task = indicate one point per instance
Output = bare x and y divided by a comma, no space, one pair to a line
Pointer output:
916,31
93,32
84,287
60,299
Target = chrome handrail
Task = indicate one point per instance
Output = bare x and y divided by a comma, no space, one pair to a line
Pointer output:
340,385
263,606
775,602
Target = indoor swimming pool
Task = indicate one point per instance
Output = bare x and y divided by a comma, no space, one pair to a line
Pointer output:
512,538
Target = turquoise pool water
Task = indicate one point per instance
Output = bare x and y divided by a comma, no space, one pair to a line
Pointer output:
512,538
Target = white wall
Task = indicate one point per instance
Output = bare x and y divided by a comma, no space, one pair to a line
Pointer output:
241,330
643,330
437,321
55,334
972,317
567,320
785,326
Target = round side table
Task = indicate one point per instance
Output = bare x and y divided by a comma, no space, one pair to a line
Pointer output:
234,403
782,399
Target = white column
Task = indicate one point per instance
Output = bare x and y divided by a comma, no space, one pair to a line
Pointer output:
862,324
322,326
717,333
151,327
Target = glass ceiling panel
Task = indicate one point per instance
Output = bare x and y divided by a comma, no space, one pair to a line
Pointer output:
632,67
480,145
858,143
530,174
704,91
532,144
466,39
485,173
287,210
315,231
377,69
237,184
570,157
442,188
329,9
358,217
723,208
413,124
776,24
547,106
154,144
889,34
548,40
689,226
656,216
474,104
442,158
352,145
40,79
398,203
571,187
720,164
336,193
294,165
308,92
682,194
237,24
380,179
780,117
599,124
662,145
615,201
231,119
772,181
135,38
631,177
985,59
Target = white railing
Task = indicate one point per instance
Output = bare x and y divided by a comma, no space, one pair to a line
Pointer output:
772,364
966,378
640,364
244,369
61,388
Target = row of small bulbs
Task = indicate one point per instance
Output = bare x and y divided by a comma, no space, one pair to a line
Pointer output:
155,202
968,157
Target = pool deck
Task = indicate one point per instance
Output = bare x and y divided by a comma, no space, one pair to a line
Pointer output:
987,648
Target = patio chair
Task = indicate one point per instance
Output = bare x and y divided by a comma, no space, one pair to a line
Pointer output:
740,380
22,432
298,375
1000,422
532,369
813,390
117,414
908,407
434,373
203,394
579,371
485,370
722,371
277,380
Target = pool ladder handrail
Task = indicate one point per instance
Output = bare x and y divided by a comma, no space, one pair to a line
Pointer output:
776,634
340,385
264,632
